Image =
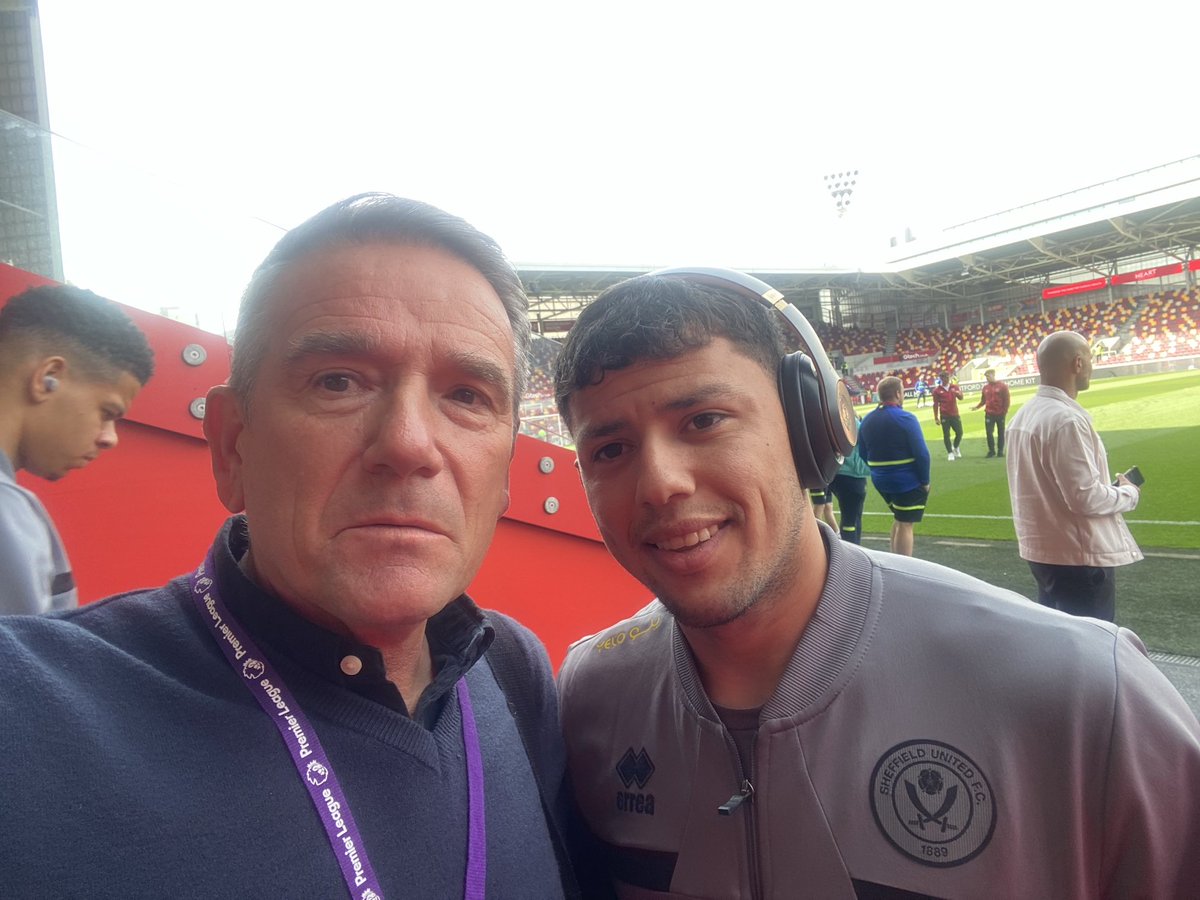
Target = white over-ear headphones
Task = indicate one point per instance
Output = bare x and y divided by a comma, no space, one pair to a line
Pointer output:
50,383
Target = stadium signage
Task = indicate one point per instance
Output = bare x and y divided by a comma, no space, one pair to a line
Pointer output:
1146,274
1079,287
918,354
970,387
1095,284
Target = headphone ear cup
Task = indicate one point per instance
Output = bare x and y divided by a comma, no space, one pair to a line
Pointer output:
800,393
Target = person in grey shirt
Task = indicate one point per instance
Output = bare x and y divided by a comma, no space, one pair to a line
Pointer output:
800,716
71,363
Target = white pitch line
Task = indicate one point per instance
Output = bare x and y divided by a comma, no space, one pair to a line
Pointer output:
1157,522
883,538
1173,658
1009,518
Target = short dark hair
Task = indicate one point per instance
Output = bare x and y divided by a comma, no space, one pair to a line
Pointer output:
362,219
656,317
97,335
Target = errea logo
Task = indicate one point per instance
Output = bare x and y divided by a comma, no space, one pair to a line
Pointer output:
635,768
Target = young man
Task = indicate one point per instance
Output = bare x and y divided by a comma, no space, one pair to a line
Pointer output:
797,716
366,431
995,401
1067,511
945,413
892,445
71,363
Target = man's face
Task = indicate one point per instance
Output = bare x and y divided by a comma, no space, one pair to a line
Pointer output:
990,376
76,422
373,462
689,474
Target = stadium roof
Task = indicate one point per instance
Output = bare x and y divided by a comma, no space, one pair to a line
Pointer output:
1115,226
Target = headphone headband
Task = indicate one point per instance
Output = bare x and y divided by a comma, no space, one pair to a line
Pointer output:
837,408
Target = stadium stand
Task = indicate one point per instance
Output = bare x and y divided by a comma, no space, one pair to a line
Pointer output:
1159,326
1169,326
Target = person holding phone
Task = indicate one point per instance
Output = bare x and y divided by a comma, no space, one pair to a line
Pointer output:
1067,513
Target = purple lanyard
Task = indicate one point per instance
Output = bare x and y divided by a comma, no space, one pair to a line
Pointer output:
313,766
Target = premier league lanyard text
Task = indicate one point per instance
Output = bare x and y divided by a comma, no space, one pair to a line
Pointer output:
313,766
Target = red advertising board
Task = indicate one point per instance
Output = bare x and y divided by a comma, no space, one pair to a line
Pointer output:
1147,274
1194,265
1079,287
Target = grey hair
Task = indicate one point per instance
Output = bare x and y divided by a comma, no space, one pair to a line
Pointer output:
362,219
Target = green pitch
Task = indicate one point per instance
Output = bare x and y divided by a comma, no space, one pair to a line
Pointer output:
1152,422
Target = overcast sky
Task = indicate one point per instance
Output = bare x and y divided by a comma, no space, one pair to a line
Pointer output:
623,133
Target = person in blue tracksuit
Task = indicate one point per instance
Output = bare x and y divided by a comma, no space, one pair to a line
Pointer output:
892,445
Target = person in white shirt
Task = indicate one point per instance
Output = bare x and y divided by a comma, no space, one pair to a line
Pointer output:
1067,513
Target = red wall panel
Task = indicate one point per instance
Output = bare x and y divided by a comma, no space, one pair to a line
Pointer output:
139,515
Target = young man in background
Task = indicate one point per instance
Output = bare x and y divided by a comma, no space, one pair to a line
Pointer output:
945,413
71,363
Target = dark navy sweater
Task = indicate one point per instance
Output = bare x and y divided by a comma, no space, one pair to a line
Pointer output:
134,764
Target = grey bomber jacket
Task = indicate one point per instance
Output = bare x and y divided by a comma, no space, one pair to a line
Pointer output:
932,734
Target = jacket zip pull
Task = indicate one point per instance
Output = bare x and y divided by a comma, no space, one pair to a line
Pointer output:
727,808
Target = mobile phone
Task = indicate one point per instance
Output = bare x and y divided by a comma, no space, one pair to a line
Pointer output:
1135,476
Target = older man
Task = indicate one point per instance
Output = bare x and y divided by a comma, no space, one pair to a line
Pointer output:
797,716
315,711
1066,509
71,363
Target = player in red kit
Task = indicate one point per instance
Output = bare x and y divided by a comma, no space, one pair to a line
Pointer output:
995,402
945,413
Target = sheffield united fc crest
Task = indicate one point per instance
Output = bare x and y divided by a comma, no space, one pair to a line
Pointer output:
932,803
